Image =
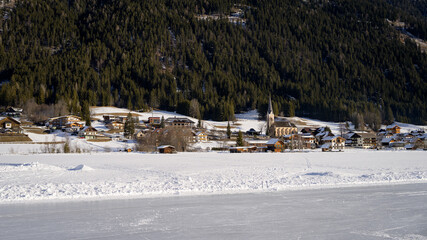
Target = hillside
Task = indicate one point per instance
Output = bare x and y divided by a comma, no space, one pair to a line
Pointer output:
329,60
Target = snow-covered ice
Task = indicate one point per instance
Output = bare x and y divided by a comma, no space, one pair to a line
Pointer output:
136,175
360,213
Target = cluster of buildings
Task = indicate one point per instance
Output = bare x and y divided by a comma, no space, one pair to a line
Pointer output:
281,134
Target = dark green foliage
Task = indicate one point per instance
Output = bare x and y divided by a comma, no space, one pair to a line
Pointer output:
86,113
162,122
239,141
228,130
129,128
322,59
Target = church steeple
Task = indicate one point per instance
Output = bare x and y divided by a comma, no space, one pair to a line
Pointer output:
270,116
270,107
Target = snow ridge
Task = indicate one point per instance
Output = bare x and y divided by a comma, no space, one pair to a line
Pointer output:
123,175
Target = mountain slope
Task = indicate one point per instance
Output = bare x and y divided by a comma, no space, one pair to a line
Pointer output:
322,59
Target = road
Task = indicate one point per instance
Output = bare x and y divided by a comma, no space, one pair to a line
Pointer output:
374,212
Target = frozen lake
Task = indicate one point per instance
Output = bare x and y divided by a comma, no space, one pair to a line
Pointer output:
376,212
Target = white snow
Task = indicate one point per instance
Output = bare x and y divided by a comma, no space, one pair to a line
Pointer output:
136,175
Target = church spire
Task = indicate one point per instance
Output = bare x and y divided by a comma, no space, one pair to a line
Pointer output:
270,107
270,116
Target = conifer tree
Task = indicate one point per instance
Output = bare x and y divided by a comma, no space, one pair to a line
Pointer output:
129,128
239,141
228,130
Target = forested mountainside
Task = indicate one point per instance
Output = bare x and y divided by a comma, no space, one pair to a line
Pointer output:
329,60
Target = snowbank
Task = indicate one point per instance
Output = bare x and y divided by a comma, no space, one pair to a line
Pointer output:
128,175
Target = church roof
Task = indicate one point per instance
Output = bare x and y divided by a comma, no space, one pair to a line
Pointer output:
283,124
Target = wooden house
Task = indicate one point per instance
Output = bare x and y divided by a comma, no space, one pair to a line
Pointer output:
114,125
12,112
334,142
62,121
249,149
9,124
200,136
308,140
179,122
88,132
362,140
275,145
166,149
393,128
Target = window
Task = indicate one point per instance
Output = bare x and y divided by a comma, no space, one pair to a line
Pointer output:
8,125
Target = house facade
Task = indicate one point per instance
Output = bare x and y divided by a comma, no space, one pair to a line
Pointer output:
200,136
275,145
362,140
9,124
88,132
333,143
179,122
64,121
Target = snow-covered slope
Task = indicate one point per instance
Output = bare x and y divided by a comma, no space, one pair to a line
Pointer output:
126,175
243,122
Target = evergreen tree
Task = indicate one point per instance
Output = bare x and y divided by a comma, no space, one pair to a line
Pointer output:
228,130
129,128
162,122
85,114
239,141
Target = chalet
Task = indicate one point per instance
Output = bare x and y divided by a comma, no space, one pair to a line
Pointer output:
361,140
88,132
179,122
243,149
166,149
385,142
9,124
333,142
309,141
115,125
307,130
397,144
256,142
154,121
393,128
63,121
13,112
275,145
200,136
321,135
141,133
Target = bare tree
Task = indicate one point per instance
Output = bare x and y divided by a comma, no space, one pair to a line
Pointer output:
179,137
195,108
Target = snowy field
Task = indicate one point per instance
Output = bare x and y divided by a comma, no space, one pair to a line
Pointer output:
359,213
28,178
243,122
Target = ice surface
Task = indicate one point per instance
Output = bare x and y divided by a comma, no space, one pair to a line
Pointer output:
381,212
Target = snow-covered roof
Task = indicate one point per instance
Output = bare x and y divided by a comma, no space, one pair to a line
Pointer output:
410,146
88,128
272,141
13,119
165,146
326,145
254,141
392,125
386,140
329,138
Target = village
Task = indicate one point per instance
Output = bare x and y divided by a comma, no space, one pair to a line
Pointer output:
174,133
